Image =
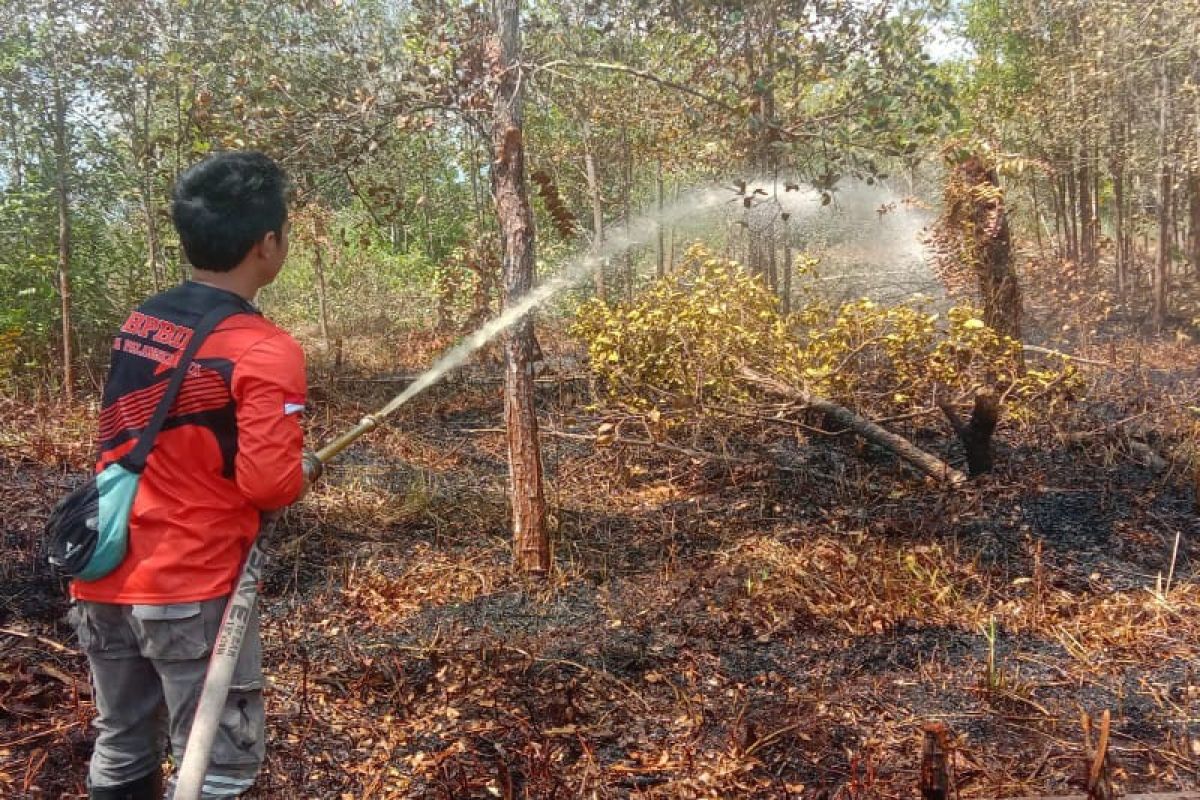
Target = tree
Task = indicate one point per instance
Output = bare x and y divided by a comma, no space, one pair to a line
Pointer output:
530,537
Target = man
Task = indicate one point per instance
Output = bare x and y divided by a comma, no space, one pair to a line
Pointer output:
230,450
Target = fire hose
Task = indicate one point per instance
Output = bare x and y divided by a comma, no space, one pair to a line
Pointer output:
238,613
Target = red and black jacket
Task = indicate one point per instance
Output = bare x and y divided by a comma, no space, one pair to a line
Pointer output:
230,448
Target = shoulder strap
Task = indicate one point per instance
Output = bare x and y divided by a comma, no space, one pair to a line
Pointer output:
135,459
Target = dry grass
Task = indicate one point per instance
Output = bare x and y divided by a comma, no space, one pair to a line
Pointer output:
712,629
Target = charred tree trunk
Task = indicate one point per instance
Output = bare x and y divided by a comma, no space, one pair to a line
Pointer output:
935,782
530,537
976,435
976,220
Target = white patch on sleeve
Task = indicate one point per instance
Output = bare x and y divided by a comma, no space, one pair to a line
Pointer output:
293,408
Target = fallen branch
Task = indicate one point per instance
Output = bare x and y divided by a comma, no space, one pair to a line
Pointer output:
670,448
53,645
929,464
1046,351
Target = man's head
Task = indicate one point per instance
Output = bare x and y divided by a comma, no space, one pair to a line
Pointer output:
231,214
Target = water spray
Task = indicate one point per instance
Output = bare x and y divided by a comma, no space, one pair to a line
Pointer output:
221,665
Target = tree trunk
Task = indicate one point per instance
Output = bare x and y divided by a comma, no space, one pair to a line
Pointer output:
1057,191
772,263
147,180
322,299
1087,235
671,236
1037,217
1194,221
1163,261
1194,200
530,538
473,155
593,181
627,208
62,190
662,253
152,246
1072,203
785,293
999,289
1120,265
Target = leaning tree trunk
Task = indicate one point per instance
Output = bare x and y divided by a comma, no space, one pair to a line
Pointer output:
62,190
530,539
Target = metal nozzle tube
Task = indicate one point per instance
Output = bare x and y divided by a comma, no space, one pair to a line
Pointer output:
369,422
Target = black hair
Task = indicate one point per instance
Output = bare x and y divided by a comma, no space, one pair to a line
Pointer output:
225,204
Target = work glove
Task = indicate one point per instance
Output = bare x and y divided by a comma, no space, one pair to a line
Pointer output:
312,467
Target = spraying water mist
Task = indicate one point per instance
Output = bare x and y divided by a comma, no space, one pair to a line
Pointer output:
802,203
639,231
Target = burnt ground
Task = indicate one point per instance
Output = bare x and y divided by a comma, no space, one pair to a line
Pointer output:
776,622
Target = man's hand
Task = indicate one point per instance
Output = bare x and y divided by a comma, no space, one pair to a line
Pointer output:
312,467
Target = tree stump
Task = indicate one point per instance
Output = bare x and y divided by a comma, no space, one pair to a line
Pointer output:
976,435
935,762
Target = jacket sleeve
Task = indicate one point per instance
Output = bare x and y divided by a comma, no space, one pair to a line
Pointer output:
269,389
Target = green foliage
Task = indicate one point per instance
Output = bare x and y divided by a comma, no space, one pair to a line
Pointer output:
685,337
370,286
683,342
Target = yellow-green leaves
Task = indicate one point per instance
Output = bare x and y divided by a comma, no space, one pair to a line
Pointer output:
683,342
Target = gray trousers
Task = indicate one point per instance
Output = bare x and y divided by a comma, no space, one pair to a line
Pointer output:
148,665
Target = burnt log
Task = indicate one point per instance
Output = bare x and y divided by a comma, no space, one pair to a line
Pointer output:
926,462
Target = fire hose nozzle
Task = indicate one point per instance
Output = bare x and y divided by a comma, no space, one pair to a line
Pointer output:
368,422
